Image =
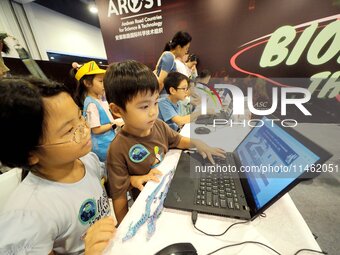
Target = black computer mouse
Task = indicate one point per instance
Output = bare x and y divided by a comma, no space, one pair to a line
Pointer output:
202,130
178,249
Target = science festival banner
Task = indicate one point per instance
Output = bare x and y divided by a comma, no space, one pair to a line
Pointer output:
285,43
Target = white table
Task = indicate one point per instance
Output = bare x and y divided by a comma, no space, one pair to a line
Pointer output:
283,229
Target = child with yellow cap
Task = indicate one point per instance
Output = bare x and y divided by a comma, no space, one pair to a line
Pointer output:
89,94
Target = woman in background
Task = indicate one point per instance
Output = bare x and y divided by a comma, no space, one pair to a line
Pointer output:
176,48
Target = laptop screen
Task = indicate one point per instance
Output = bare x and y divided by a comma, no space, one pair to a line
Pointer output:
272,159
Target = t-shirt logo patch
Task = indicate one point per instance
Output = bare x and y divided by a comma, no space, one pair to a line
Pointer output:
138,153
88,211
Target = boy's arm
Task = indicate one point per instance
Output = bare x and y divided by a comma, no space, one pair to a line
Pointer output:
137,181
181,120
118,181
120,206
204,149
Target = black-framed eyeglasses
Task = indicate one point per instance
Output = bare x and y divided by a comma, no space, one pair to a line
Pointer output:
185,89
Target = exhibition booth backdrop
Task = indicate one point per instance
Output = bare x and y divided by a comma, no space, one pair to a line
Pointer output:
285,43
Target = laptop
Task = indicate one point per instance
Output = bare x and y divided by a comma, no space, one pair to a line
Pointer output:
246,194
224,114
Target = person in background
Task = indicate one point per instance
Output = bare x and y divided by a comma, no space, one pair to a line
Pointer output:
89,94
181,66
191,64
132,91
187,65
5,49
191,101
177,87
203,90
176,48
60,207
203,77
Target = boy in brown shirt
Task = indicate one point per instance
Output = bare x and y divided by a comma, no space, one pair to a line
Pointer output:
132,92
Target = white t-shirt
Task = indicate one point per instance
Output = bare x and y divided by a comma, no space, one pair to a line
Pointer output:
182,68
41,215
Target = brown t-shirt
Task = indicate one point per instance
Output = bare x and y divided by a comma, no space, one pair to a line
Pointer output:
132,155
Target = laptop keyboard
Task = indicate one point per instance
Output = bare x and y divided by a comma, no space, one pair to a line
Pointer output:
219,191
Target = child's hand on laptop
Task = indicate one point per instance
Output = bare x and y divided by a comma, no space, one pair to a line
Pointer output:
207,151
137,181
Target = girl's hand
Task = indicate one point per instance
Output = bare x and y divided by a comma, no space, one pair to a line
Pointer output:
119,122
98,236
137,181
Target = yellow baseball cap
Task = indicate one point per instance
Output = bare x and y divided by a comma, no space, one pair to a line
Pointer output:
88,69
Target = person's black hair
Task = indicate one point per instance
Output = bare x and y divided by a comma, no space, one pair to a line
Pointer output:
124,80
181,38
22,117
192,58
78,88
173,80
203,74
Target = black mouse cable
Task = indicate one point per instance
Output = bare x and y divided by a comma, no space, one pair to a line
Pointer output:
301,250
194,215
259,243
245,242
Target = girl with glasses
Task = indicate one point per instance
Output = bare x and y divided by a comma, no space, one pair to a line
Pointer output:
60,207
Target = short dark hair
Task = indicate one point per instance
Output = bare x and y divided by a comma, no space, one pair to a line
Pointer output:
181,38
204,73
173,80
22,117
124,80
192,58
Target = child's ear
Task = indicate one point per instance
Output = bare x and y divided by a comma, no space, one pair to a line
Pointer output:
172,90
87,83
33,159
116,110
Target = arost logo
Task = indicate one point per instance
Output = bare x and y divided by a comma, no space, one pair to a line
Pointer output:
120,7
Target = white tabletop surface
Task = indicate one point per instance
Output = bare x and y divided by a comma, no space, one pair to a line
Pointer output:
283,228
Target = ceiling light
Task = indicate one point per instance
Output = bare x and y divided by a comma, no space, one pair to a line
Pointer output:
93,9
